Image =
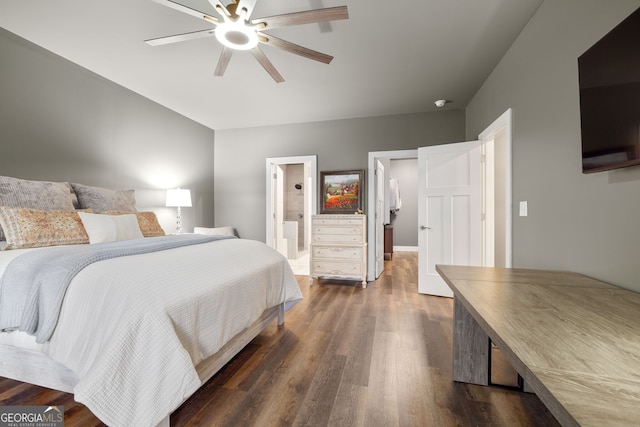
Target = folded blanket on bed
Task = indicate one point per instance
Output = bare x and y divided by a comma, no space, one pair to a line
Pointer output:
33,285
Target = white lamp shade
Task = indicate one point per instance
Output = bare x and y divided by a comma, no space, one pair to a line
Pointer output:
178,198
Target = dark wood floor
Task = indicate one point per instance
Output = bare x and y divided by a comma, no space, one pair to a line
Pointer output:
346,356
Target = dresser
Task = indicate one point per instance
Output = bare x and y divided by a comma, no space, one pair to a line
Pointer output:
339,247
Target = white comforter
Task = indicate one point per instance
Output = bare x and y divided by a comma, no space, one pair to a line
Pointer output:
133,328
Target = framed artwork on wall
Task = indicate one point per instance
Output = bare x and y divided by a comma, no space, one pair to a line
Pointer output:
342,191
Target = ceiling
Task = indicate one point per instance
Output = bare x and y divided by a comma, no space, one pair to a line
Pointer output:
389,57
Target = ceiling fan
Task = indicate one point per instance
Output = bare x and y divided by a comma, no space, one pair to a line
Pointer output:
235,30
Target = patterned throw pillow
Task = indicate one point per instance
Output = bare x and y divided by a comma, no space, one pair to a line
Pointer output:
34,228
149,225
21,193
104,199
148,222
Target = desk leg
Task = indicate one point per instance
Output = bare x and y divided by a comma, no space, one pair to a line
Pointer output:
471,348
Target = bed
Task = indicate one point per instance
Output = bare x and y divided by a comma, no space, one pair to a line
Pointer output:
137,334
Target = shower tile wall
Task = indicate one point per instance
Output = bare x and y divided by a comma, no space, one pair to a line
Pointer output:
294,198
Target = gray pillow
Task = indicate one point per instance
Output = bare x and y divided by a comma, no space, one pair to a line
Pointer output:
43,195
104,199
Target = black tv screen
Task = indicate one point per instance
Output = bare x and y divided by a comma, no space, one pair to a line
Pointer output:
609,77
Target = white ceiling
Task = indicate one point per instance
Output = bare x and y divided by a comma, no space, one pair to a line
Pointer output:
389,57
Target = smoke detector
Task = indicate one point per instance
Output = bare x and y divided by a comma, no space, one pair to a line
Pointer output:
440,103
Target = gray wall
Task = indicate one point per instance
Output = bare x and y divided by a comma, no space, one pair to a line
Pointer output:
583,223
405,221
62,122
240,155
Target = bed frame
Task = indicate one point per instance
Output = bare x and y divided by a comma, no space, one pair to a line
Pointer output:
37,368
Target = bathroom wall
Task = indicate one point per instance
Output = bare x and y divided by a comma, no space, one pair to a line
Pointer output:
294,198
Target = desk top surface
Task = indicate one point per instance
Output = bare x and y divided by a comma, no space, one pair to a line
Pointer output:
576,340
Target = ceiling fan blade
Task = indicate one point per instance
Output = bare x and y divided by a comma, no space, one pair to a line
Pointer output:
180,37
267,65
225,56
295,49
306,17
217,5
248,5
182,8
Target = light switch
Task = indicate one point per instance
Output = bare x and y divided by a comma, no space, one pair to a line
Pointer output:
524,210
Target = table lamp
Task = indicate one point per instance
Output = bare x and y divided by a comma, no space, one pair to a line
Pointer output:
178,198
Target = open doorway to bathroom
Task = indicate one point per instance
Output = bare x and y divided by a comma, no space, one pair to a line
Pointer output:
291,201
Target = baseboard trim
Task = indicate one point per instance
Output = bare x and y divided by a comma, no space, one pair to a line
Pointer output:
405,249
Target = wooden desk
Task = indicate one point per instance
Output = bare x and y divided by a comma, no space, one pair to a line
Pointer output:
574,340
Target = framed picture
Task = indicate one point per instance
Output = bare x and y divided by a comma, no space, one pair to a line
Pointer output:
341,191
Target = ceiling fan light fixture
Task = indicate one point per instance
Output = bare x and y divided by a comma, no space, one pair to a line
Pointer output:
235,30
236,35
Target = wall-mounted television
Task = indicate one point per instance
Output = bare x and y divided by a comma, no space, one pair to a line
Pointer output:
609,77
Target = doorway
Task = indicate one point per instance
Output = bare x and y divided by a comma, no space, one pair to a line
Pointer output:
495,143
376,219
496,146
291,201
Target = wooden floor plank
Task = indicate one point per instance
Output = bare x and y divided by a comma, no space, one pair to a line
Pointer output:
320,398
382,404
346,356
349,407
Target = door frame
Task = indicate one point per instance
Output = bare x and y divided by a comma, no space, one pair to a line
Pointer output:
504,123
380,210
271,162
371,203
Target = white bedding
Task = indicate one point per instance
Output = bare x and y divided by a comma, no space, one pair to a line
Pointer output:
17,339
133,328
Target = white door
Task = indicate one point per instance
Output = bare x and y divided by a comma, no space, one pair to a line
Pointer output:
379,218
449,211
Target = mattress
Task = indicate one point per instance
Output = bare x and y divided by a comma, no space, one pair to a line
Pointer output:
133,328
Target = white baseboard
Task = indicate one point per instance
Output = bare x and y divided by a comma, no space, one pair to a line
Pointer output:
405,249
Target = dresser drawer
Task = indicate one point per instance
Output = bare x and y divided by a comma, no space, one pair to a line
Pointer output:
336,238
336,268
319,220
328,229
338,252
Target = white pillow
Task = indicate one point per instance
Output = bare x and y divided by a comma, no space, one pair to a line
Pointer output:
217,231
109,228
